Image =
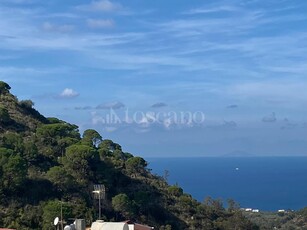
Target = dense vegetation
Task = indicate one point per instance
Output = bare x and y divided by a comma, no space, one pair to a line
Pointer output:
45,163
288,220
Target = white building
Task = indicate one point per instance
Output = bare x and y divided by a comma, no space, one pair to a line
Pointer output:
101,225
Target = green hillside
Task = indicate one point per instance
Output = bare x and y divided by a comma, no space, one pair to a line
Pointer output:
45,162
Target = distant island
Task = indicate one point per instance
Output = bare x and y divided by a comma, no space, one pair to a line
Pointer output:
238,153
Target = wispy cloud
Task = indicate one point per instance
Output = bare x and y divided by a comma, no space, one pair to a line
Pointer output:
213,9
111,105
139,55
225,125
285,90
287,124
100,23
11,70
19,1
159,105
103,5
229,125
233,106
49,27
270,118
83,108
235,25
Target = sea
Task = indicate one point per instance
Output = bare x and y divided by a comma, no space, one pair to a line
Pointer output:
264,183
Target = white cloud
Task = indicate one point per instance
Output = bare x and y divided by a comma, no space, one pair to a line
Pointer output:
97,24
265,52
49,27
19,1
11,70
103,5
69,93
206,10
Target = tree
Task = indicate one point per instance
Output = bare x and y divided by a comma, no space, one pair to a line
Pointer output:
30,153
109,145
14,141
4,115
78,161
52,209
52,139
26,104
51,132
232,205
60,178
144,200
4,87
166,175
122,204
175,190
214,208
166,227
13,170
91,137
135,165
54,120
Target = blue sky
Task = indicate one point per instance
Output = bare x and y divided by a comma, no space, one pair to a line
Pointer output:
182,78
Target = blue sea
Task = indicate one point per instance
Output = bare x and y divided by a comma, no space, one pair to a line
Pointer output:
265,183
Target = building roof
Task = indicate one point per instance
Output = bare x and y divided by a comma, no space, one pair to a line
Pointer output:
138,226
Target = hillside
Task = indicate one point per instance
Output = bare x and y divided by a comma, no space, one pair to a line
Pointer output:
19,116
45,162
284,220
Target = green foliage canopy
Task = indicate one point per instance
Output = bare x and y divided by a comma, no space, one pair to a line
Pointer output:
4,87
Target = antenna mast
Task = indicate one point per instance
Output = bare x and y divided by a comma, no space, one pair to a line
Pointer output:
99,193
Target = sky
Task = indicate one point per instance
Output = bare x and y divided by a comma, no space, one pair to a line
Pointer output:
171,78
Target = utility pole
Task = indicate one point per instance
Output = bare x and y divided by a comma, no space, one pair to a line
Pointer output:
99,205
62,215
98,192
